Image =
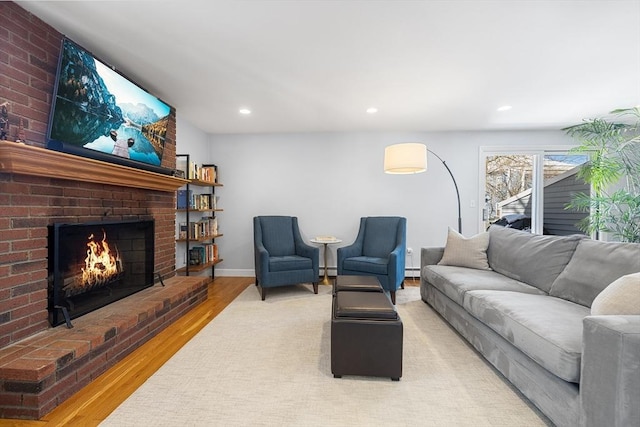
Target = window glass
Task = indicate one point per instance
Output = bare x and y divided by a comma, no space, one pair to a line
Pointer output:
531,191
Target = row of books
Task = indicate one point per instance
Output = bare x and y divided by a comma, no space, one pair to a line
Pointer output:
193,170
201,173
204,173
206,227
203,254
188,199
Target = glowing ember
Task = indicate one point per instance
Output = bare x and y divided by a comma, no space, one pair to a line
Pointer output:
101,264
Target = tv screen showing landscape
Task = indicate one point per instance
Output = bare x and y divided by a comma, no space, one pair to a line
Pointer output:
98,113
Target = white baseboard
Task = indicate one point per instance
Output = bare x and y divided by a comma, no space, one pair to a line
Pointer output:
245,272
235,272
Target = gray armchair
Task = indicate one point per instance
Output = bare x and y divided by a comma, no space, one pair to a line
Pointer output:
379,250
282,258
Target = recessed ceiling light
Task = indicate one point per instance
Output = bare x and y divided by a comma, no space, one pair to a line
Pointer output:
372,110
505,108
244,111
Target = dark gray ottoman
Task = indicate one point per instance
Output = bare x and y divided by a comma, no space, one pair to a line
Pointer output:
357,283
366,336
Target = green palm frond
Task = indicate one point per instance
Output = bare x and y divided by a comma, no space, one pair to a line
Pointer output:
614,150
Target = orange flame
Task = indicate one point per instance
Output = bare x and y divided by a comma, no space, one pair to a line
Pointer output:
101,265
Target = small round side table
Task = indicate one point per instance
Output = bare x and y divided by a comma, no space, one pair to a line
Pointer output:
326,241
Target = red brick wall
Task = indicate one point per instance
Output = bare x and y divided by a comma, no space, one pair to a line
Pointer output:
29,50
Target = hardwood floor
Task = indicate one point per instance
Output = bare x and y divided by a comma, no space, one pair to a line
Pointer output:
95,402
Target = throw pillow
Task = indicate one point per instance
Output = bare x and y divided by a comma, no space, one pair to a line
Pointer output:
622,296
593,266
462,252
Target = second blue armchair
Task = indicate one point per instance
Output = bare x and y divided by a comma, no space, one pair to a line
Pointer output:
379,250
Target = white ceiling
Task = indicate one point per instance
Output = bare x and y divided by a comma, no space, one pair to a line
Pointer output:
308,66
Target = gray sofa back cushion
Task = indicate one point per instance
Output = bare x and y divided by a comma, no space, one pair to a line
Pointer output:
593,267
530,258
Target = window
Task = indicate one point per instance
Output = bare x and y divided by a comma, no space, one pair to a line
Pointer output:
529,189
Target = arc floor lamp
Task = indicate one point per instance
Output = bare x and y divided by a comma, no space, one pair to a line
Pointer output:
411,157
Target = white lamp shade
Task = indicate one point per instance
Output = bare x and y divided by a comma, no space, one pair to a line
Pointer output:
405,158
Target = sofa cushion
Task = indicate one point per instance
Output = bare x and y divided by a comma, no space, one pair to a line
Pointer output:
530,258
620,297
593,267
454,282
366,264
547,329
289,262
462,252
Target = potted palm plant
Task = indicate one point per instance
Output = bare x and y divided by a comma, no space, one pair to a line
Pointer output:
613,173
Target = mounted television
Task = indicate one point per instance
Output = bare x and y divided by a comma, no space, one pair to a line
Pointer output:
98,113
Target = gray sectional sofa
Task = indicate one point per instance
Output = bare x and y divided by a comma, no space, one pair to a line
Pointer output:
529,314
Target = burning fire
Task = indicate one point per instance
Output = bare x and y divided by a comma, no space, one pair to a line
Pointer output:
101,264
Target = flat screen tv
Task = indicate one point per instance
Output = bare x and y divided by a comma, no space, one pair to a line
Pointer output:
99,113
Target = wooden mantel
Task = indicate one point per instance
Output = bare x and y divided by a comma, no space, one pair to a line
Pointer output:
18,158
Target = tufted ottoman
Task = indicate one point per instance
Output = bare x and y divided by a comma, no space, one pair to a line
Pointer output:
366,335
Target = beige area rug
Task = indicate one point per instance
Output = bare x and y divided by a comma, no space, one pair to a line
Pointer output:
267,363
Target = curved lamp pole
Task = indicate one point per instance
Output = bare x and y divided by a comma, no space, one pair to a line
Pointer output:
455,184
411,157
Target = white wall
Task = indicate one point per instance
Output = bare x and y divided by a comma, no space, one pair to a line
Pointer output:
330,180
189,140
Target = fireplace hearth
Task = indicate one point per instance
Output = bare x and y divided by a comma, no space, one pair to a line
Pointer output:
94,264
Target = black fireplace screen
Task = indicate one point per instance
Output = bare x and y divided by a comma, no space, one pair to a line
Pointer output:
94,264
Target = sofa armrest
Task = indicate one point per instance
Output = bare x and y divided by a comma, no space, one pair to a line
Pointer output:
610,373
311,252
396,266
430,256
261,260
345,252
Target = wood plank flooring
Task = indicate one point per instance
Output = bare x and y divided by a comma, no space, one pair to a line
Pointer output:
96,401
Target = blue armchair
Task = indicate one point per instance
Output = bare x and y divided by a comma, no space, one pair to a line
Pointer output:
282,258
379,250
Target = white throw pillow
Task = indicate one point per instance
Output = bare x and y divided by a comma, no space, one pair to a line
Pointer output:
463,252
622,296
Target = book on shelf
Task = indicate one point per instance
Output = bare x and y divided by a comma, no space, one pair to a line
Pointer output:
328,239
184,198
195,171
211,252
201,201
203,228
204,254
190,169
182,230
187,199
196,255
208,174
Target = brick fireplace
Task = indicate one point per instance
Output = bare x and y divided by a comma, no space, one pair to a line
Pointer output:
41,366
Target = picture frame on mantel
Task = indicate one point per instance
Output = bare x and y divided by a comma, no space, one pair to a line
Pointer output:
4,120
